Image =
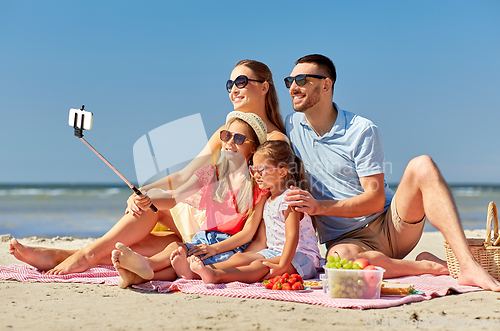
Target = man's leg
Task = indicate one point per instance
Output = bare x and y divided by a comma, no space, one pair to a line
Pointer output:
423,191
394,267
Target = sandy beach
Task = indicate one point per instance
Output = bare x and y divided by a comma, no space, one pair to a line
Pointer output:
57,306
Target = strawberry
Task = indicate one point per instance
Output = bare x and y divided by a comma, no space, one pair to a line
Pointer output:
269,285
292,279
277,286
299,279
286,287
297,286
275,279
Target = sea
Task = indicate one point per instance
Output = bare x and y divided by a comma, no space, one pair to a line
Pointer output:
84,211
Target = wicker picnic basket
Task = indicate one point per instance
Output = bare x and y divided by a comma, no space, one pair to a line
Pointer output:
486,251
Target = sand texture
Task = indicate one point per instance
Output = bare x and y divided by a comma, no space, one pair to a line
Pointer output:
56,306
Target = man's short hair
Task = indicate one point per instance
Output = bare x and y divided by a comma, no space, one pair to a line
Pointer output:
321,61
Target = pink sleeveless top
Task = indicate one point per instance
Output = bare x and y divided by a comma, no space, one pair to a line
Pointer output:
221,216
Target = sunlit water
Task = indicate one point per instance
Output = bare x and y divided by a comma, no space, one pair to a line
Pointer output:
89,211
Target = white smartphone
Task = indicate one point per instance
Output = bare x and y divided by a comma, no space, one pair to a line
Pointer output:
82,119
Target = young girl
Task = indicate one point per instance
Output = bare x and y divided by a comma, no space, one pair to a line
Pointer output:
227,195
289,235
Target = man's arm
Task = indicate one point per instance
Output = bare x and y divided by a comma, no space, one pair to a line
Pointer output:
371,201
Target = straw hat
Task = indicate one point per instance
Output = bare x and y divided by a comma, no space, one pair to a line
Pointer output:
253,120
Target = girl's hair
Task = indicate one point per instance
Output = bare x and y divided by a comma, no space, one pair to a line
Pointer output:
244,197
279,154
272,104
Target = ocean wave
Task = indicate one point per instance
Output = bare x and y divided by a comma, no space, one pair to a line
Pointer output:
53,192
468,191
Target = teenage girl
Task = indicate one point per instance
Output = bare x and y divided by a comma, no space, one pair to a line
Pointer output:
289,236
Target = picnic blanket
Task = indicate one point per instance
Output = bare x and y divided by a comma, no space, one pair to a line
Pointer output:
431,286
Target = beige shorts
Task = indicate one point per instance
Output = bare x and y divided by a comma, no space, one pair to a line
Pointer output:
388,234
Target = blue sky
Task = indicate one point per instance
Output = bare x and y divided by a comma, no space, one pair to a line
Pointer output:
426,72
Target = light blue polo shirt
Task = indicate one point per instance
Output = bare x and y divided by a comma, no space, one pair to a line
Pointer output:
334,163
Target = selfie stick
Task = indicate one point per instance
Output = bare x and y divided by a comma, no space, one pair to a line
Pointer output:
79,134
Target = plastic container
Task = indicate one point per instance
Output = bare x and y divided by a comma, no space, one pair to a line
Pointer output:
353,283
323,282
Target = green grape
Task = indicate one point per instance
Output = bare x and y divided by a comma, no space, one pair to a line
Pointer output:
330,258
343,260
336,259
356,266
338,265
348,265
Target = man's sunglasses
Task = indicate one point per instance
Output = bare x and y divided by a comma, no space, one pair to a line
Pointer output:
300,79
239,139
241,81
260,170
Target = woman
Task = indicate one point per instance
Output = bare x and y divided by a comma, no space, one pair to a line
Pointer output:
251,90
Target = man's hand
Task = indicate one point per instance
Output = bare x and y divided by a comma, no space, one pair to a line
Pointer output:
202,249
302,201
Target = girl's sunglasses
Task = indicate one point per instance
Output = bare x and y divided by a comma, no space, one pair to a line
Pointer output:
241,81
300,80
239,139
260,170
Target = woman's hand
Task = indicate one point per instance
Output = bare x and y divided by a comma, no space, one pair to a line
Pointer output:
137,203
274,269
202,249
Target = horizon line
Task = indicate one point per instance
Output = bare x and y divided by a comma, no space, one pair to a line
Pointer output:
117,184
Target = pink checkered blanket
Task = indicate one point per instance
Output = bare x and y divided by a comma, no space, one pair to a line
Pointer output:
431,286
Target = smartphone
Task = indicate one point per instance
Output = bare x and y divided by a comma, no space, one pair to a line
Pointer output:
80,119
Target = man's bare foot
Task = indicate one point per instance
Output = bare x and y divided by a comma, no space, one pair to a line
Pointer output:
427,263
207,274
475,275
438,266
125,258
180,263
39,257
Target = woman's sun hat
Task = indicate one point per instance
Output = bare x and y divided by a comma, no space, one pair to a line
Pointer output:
253,120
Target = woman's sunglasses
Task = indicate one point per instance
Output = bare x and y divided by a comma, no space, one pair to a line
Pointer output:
239,139
260,170
300,79
241,81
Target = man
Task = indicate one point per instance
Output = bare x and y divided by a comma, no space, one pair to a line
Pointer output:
360,217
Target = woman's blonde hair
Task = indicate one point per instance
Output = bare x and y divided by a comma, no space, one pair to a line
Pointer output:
272,104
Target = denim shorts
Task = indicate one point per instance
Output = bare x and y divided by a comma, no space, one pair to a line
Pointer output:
301,262
213,237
